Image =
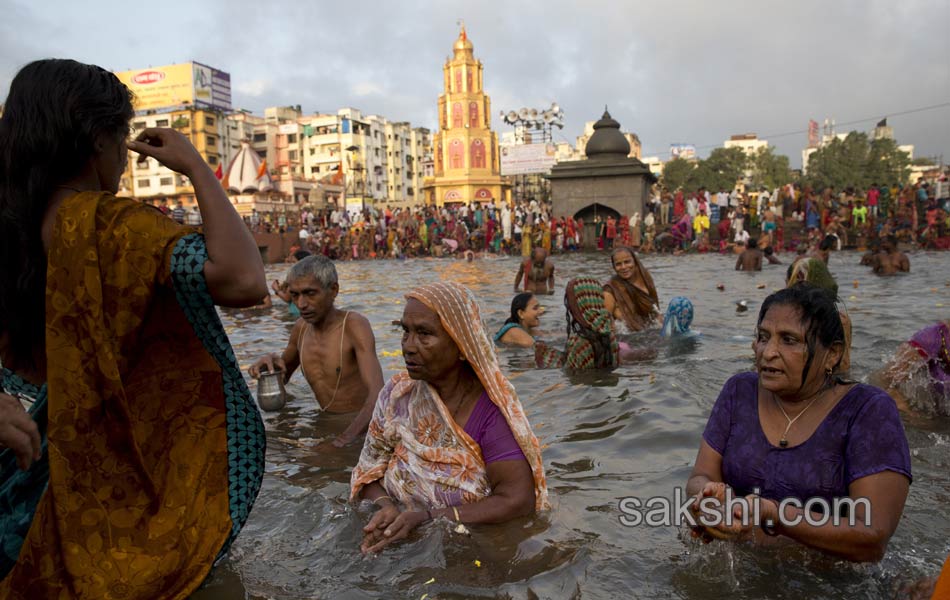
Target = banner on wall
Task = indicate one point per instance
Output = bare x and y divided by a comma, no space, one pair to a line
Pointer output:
525,159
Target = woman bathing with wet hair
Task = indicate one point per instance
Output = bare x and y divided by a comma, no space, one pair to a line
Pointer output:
794,429
630,295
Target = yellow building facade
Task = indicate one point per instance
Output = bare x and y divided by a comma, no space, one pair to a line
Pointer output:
465,149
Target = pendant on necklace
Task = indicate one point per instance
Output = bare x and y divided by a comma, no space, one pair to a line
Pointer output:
783,443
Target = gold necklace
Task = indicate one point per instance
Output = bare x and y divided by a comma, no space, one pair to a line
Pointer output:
784,441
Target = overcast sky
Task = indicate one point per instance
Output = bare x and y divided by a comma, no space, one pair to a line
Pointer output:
692,72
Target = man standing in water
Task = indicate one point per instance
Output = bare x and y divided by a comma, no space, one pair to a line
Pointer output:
751,257
537,272
889,260
335,349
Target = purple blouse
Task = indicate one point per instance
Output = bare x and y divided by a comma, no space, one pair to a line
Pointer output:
488,427
862,435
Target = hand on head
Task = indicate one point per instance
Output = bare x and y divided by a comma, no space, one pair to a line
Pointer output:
170,148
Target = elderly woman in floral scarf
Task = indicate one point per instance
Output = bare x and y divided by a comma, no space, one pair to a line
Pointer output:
449,438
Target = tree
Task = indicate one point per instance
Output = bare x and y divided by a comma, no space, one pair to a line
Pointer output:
886,163
857,161
676,173
722,169
769,170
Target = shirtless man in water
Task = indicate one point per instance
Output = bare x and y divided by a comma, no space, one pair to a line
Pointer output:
335,349
889,260
537,273
751,257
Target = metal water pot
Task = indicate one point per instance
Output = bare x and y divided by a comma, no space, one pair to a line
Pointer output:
271,395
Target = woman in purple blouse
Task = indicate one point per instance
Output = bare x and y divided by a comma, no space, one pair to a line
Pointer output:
794,431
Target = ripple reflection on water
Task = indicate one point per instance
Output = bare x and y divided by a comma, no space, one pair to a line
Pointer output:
634,431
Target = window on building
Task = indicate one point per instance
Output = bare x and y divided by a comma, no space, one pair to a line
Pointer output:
314,170
161,123
209,121
143,183
292,138
138,125
212,160
260,137
313,151
410,192
144,165
292,154
212,141
165,181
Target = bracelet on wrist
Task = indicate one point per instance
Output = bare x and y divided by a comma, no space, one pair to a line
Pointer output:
377,499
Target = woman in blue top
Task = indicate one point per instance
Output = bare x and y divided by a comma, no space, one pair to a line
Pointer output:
518,329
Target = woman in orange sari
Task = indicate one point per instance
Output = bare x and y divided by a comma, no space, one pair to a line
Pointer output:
449,438
142,451
630,295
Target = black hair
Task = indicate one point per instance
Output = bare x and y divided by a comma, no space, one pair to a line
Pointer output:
829,242
301,254
752,243
769,251
519,302
54,115
819,317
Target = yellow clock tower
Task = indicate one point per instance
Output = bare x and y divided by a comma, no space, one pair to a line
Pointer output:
465,149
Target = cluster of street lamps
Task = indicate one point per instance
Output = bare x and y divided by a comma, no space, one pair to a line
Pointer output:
527,119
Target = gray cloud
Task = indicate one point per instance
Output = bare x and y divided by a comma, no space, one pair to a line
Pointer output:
686,71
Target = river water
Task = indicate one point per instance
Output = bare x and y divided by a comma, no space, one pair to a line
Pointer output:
605,436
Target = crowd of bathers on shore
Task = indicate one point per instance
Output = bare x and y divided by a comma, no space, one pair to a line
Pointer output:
790,218
133,452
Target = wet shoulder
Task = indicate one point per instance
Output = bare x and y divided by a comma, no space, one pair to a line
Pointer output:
863,399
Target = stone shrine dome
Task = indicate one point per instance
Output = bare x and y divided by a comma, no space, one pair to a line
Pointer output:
607,141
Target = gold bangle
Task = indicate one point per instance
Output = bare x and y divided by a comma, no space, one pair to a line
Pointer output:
457,518
376,500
